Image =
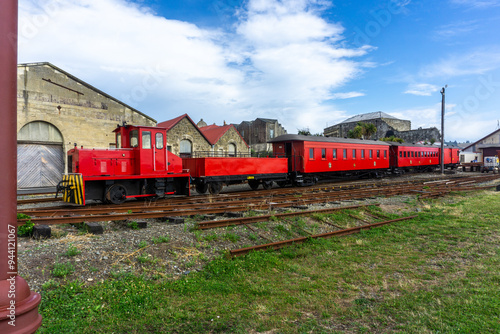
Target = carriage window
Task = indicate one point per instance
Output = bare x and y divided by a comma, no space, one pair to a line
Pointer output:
134,138
404,154
412,154
354,154
323,153
118,140
159,140
345,153
400,154
362,154
334,152
385,154
371,154
378,154
311,153
146,139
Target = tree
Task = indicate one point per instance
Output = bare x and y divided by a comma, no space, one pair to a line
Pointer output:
362,131
304,132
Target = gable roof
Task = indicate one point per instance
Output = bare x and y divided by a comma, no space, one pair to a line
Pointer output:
215,132
173,122
368,116
491,134
83,83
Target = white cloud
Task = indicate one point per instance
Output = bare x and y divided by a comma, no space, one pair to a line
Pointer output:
477,3
421,89
471,63
348,95
281,61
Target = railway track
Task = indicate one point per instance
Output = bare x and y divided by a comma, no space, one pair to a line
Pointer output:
252,200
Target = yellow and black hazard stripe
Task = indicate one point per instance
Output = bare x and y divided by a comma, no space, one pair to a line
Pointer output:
72,188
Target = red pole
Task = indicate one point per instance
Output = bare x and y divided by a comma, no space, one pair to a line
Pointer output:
18,305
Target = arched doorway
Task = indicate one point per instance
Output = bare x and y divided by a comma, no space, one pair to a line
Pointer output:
40,156
186,148
231,150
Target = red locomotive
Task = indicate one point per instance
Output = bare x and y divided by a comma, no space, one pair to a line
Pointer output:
141,166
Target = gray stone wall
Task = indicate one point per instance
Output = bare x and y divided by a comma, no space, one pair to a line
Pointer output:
258,132
231,137
420,134
184,129
81,113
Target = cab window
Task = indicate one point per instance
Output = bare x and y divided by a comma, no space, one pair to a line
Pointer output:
159,140
146,139
134,138
118,140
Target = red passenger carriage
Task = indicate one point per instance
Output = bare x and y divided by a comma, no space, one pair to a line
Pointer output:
313,157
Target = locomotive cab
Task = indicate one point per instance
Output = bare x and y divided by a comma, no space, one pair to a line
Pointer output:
139,166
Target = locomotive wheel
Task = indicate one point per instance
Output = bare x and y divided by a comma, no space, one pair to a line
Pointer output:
214,188
282,184
254,184
267,184
201,187
116,194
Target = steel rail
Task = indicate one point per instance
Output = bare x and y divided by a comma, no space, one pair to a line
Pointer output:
281,244
249,220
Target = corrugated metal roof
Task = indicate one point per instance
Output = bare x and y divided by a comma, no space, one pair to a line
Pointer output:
368,116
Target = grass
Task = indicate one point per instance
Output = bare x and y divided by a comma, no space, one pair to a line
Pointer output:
437,273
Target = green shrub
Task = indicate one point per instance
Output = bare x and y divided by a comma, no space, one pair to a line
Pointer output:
27,228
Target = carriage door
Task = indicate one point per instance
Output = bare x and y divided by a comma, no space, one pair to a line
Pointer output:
160,155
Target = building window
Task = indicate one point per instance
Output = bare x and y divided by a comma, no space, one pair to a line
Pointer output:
231,150
186,148
323,153
334,153
311,153
169,148
159,140
271,133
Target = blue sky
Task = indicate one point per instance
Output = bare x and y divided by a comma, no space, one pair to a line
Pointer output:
308,63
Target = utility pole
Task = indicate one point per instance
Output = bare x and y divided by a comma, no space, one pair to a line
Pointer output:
18,305
442,128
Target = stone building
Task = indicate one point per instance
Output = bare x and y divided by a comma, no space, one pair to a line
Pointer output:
225,140
387,126
55,111
184,138
257,133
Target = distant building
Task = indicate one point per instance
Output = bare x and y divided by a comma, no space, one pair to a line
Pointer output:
188,139
184,138
488,146
55,111
387,126
258,132
225,140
